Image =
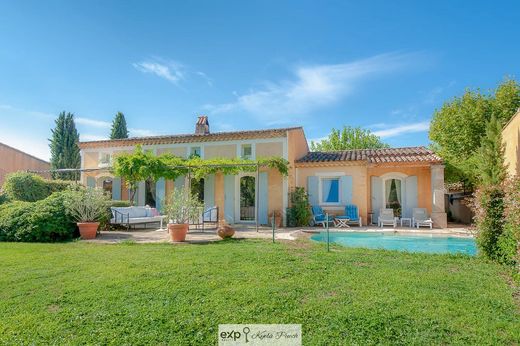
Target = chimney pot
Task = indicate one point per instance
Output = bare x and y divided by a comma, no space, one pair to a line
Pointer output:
202,126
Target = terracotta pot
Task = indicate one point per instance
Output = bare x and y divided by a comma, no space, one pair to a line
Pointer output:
178,231
88,230
225,231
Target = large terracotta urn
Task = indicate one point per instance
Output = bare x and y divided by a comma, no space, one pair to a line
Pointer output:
178,231
225,231
88,230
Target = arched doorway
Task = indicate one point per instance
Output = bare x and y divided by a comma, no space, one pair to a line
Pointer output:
106,183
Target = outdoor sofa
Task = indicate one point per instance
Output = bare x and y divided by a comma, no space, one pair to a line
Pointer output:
131,216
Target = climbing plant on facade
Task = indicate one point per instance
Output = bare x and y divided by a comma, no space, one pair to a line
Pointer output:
143,165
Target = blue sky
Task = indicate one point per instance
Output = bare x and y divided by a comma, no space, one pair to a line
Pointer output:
382,65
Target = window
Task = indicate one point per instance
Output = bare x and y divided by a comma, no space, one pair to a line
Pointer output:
330,190
105,159
107,186
195,151
197,189
247,151
150,193
393,195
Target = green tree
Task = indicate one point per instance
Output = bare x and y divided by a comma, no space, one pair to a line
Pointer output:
458,127
491,169
349,138
119,130
64,146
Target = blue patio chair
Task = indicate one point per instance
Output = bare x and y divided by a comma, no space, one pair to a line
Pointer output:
352,214
319,217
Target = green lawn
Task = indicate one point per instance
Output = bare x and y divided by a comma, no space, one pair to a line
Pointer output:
77,293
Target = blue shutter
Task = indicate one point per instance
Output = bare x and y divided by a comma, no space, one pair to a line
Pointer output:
229,198
346,189
160,193
209,191
141,193
377,196
91,182
263,198
179,182
411,195
116,188
312,190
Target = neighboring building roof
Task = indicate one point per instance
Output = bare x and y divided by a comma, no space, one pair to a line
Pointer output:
409,154
24,153
190,138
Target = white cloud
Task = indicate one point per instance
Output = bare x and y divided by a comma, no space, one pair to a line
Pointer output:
169,70
312,87
401,129
90,137
141,133
92,122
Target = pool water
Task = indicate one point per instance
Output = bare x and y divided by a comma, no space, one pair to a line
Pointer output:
401,242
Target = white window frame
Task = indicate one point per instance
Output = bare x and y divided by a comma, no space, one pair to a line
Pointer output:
397,176
243,146
320,191
100,159
200,147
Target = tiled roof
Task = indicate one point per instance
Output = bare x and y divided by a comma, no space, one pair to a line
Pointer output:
190,138
409,154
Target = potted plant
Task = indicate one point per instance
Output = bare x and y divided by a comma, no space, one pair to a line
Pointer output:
180,208
88,207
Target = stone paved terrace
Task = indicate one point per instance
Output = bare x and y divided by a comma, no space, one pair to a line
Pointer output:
244,232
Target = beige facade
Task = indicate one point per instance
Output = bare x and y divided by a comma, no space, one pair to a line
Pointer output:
511,140
422,180
14,160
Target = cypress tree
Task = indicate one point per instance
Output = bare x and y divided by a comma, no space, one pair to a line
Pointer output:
64,146
491,165
119,129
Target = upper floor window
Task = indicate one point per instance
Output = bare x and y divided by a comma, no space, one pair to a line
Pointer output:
195,151
105,159
330,190
247,152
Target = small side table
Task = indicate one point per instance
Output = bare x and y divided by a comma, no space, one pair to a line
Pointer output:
341,222
371,215
406,219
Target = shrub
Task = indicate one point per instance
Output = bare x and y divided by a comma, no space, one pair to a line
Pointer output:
182,207
488,205
87,205
41,221
510,245
298,214
3,198
30,187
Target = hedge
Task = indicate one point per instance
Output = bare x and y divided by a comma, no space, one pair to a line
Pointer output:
41,221
511,242
30,187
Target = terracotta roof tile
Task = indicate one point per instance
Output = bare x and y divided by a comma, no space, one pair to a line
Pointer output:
408,154
190,138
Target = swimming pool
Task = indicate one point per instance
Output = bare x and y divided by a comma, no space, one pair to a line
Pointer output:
402,242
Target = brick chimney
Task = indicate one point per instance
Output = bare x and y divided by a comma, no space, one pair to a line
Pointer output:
202,126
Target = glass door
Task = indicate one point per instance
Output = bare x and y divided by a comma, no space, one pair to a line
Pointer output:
393,196
247,198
